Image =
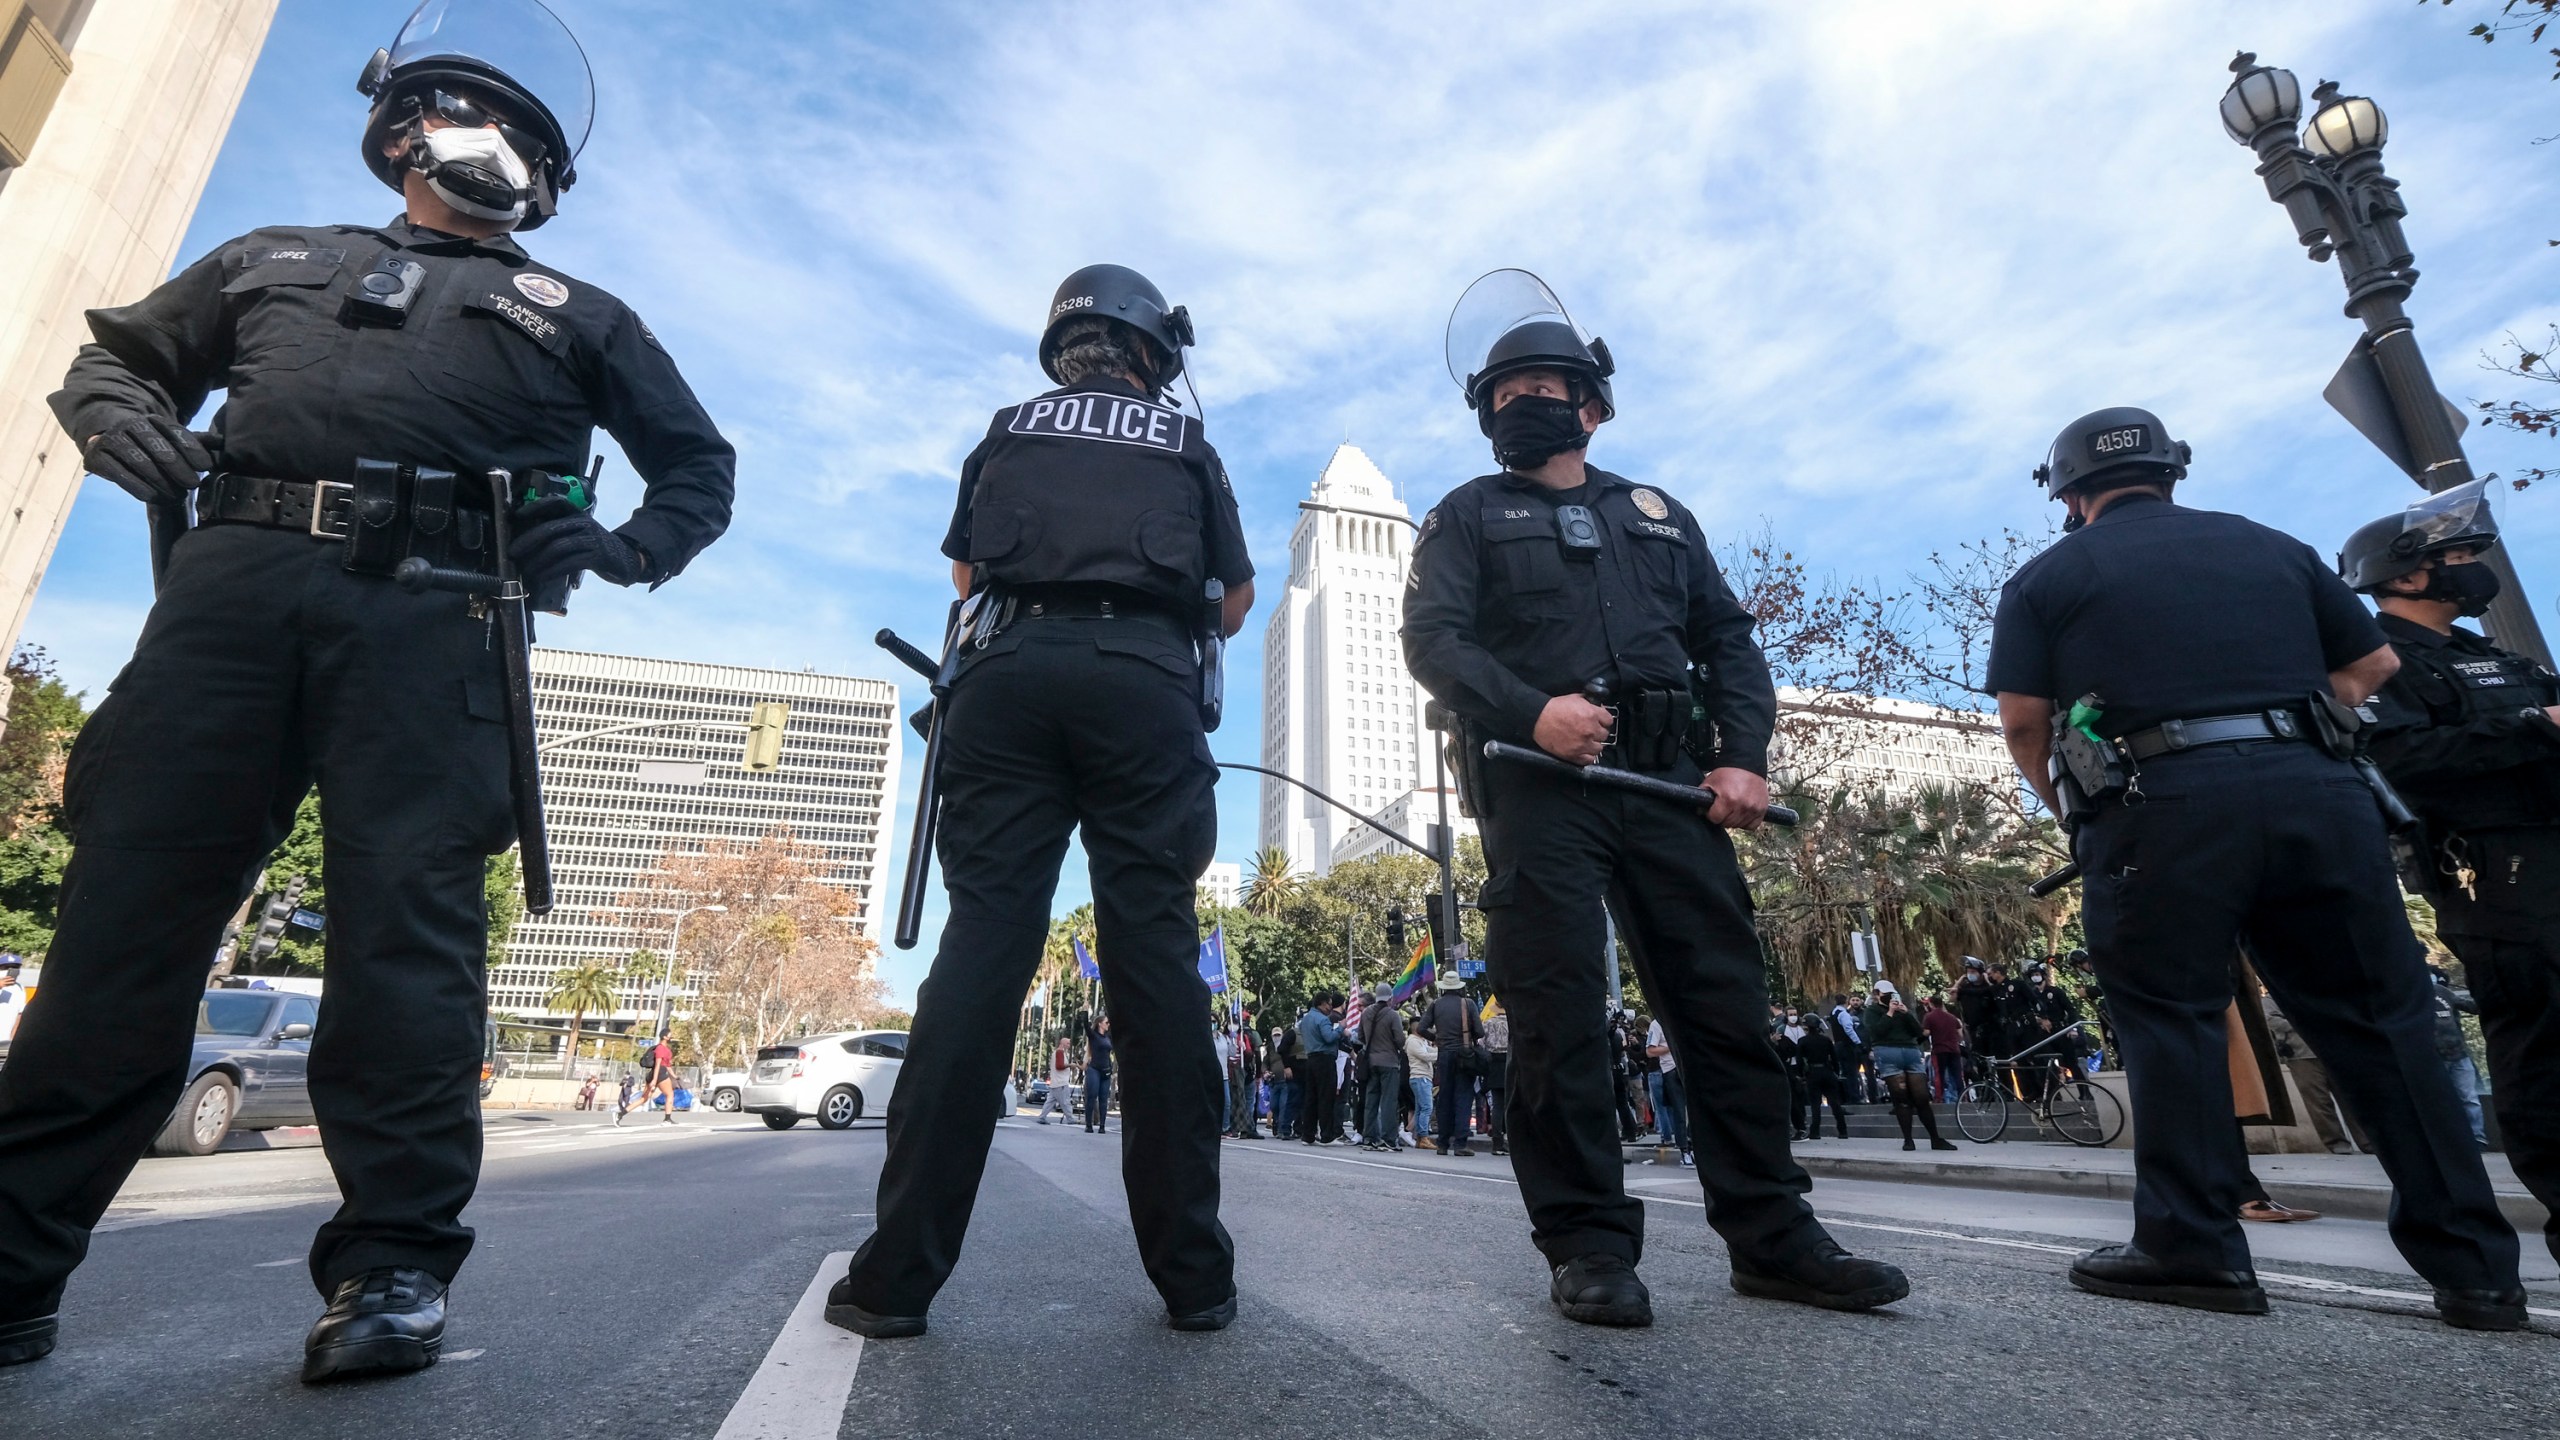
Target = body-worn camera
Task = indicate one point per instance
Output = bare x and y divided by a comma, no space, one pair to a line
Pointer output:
1578,530
384,294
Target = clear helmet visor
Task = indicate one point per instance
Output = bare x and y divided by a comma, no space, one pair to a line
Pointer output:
2459,513
1497,304
520,39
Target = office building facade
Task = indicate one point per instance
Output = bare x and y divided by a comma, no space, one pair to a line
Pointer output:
622,801
1339,710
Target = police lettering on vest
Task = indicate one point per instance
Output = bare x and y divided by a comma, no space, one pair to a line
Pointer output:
1118,419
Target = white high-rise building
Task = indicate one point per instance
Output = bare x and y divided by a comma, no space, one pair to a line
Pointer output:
1222,884
1339,710
619,802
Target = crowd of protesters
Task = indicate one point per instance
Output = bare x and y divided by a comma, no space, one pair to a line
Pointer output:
1429,1072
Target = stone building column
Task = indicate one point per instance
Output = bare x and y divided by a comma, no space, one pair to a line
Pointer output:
94,218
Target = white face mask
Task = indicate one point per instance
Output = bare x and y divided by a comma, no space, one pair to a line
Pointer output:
483,150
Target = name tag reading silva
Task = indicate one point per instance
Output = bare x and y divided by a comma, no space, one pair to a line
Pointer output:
1118,419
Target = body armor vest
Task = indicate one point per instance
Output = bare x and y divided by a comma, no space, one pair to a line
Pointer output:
1094,487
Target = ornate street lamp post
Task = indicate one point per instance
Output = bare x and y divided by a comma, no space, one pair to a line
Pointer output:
2329,180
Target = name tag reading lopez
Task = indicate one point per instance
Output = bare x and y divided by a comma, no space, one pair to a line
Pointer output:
1115,418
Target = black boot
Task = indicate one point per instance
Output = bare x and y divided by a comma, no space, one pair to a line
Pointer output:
1216,1317
2125,1273
1929,1118
387,1321
1821,1274
28,1339
2477,1309
1601,1290
843,1314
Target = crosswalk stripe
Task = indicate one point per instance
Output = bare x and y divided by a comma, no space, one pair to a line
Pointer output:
799,1392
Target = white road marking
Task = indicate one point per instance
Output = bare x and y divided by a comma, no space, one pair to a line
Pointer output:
456,1357
799,1392
271,1264
2265,1277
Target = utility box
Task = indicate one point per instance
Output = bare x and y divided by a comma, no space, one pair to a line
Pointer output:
764,735
33,66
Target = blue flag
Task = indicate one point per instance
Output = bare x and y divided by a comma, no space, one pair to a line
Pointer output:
1084,959
1213,960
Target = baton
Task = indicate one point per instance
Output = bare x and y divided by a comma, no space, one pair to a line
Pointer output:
515,640
2055,881
1697,795
928,786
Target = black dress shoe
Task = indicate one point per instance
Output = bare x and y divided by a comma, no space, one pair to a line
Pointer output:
1216,1317
1821,1274
32,1339
1601,1290
843,1314
386,1321
2462,1309
2127,1274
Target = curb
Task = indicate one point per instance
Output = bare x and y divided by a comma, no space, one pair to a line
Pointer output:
2351,1202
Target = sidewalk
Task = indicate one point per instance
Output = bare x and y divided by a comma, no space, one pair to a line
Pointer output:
2352,1186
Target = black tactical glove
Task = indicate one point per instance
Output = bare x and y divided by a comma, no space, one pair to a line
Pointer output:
151,459
566,546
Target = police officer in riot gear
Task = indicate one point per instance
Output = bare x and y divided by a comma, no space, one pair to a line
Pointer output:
2466,731
279,653
2190,669
1553,603
1091,520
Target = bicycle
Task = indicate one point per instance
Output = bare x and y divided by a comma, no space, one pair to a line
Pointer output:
2052,1094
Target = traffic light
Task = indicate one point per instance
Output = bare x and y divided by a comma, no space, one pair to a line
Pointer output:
764,735
277,915
1440,931
1395,936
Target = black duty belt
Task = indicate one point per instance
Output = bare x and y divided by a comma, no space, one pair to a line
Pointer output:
320,508
1074,603
2171,736
442,529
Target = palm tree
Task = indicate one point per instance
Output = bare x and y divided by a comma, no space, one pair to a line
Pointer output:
582,990
1273,883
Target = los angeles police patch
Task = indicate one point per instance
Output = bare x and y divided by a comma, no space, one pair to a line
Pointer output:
1651,504
542,290
1117,419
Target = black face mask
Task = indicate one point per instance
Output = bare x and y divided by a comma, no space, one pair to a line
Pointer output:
1533,429
2469,587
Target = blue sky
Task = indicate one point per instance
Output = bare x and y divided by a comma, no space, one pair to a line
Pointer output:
1857,263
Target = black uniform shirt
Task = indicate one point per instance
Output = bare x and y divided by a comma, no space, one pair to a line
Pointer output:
2172,614
1498,622
501,364
1078,445
2463,731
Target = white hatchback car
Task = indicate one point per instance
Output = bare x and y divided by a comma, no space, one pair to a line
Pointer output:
837,1078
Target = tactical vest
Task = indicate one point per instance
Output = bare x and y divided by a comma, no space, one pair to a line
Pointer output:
1091,487
2461,686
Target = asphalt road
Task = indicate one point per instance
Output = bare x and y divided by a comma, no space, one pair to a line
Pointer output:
644,1282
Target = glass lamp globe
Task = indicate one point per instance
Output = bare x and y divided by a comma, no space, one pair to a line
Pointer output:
2347,125
2262,96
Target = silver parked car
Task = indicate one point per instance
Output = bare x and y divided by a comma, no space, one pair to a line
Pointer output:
725,1090
251,1069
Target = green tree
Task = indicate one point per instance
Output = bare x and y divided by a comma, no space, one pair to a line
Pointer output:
582,990
1272,883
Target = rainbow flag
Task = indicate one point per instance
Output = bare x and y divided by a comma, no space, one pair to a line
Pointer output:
1419,970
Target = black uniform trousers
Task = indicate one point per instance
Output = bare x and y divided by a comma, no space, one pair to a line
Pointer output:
265,667
1556,850
2281,846
1054,729
2516,978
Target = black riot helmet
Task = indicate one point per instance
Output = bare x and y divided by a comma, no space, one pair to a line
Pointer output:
1509,321
475,61
1116,292
2119,443
2395,545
